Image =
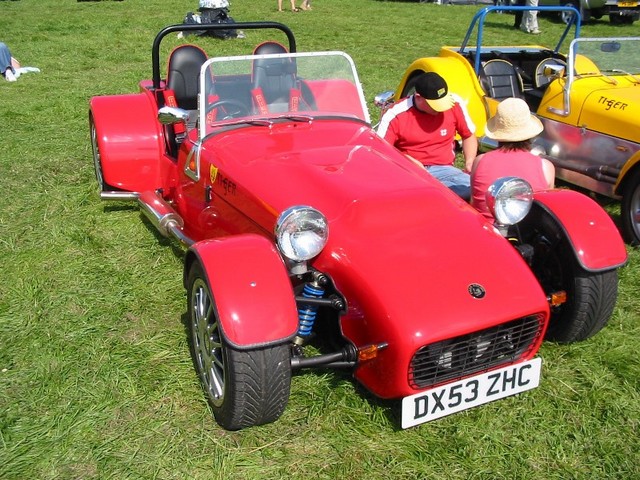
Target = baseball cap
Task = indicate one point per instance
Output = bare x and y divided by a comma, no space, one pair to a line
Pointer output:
433,88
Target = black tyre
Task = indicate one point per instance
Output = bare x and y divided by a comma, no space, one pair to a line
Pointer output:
591,296
566,17
243,387
618,19
630,210
97,161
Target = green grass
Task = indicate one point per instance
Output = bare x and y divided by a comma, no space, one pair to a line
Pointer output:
95,376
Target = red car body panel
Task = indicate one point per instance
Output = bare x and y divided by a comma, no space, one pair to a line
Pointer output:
594,236
410,303
267,313
132,144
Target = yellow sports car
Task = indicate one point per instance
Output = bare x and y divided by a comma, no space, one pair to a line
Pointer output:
588,99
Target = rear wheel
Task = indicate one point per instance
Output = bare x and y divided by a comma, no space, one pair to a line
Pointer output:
243,387
97,159
630,210
591,296
597,13
618,19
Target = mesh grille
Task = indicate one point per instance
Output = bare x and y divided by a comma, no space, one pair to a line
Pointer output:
474,352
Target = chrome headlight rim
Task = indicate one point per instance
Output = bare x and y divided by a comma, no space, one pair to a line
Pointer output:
301,232
509,200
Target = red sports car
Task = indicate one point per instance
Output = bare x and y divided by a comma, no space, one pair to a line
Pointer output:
312,243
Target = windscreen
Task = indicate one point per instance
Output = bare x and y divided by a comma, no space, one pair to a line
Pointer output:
253,88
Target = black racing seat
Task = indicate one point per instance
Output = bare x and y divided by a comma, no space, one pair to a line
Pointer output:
273,80
181,90
270,47
185,62
500,80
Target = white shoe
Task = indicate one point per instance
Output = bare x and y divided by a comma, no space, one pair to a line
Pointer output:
8,74
535,31
22,70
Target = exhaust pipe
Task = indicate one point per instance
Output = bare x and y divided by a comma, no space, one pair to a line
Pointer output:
163,216
120,196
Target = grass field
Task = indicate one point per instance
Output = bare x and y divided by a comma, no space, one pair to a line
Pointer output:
95,376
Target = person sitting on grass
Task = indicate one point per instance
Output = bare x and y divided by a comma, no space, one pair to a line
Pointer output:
10,67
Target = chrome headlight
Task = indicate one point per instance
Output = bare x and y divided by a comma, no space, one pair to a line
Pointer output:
301,233
509,199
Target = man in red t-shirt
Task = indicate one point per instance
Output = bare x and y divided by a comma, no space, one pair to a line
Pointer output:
423,127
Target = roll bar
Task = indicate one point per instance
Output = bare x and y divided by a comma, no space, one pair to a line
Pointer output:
155,52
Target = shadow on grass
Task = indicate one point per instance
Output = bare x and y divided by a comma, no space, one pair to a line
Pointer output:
173,244
120,207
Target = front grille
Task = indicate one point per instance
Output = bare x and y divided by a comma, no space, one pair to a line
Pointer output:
474,352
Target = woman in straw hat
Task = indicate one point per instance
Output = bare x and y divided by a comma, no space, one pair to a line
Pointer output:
513,126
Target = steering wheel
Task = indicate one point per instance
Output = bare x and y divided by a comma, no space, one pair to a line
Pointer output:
542,80
307,97
234,109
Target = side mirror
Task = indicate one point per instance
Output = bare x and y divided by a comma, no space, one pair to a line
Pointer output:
382,100
172,115
610,47
553,71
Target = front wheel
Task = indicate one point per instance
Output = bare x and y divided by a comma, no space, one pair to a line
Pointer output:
591,296
567,17
630,210
243,387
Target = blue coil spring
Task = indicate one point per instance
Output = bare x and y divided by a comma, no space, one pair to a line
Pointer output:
307,314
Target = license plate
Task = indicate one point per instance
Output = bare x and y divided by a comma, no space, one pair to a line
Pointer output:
470,392
627,4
